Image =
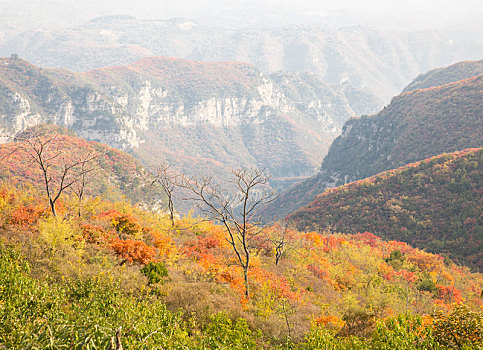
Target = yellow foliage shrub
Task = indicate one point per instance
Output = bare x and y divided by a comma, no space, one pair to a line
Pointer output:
56,234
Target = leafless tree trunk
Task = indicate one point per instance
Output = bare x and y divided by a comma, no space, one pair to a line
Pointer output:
285,305
8,154
280,239
166,177
88,169
235,210
57,177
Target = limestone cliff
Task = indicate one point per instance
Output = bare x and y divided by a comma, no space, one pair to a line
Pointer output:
204,117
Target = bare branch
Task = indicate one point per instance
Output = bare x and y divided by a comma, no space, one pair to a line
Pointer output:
234,210
58,174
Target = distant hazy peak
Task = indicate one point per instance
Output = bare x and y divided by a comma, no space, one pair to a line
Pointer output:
112,19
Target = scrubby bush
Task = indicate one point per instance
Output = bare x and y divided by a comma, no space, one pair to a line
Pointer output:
156,272
461,329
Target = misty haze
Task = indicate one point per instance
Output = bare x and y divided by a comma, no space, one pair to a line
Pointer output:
241,174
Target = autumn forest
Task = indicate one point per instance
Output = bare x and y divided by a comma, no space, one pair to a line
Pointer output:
241,175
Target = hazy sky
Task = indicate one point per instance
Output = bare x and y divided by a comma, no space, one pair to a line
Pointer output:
404,14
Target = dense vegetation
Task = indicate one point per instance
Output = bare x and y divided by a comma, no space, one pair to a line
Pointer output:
416,125
119,272
115,175
205,117
93,270
446,75
96,314
433,204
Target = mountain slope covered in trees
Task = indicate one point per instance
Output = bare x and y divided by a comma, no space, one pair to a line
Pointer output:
446,75
203,117
118,269
112,174
434,204
415,125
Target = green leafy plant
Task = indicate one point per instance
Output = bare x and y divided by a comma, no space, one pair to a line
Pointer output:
156,272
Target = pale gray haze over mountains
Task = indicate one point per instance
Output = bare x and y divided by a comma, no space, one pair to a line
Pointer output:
410,14
289,74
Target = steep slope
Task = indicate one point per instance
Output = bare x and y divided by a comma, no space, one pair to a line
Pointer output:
114,174
204,117
318,99
380,61
416,125
446,75
434,204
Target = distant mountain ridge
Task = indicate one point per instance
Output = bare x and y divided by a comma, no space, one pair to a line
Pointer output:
416,125
379,61
204,117
433,204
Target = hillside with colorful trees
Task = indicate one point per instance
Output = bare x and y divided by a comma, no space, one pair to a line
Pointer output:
108,173
118,274
204,116
434,204
414,126
89,260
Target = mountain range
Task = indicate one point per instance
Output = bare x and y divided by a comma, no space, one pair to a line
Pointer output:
379,61
373,242
203,117
416,125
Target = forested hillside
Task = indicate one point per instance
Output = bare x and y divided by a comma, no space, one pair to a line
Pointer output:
414,126
109,173
80,264
434,204
446,75
241,175
121,275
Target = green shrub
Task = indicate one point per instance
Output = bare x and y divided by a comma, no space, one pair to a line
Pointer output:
223,333
427,284
156,272
405,332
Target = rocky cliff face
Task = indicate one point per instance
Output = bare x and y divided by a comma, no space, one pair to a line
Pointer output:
204,117
416,125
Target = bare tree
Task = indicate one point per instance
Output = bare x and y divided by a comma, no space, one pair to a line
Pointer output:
87,171
280,239
236,210
166,177
287,310
58,174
